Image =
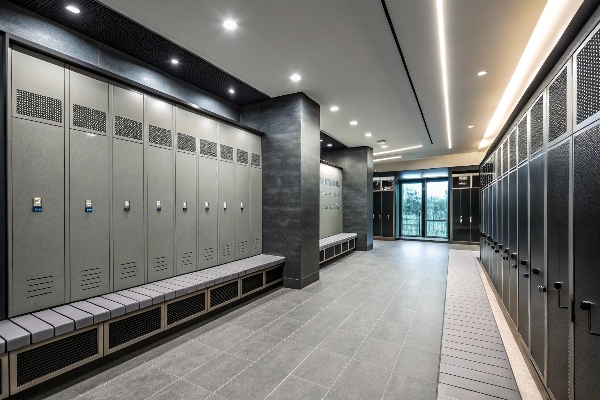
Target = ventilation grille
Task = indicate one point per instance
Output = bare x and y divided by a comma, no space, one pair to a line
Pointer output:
588,79
252,283
255,160
88,118
182,309
128,329
42,286
537,126
275,274
226,250
242,247
223,294
128,128
38,106
523,140
160,264
504,157
557,105
208,148
128,270
242,157
44,360
186,260
160,136
186,142
209,254
90,279
255,244
512,144
226,152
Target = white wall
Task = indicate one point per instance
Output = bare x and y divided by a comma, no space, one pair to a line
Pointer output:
453,160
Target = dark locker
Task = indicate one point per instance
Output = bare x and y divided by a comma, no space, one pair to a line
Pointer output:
376,213
558,270
160,190
37,171
513,247
387,214
461,204
186,192
242,195
496,237
255,195
503,255
226,208
523,251
128,190
475,215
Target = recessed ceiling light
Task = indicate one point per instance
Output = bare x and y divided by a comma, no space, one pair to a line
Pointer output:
353,123
368,134
296,77
231,91
481,73
73,9
230,25
329,145
334,108
389,158
397,150
174,61
470,126
384,146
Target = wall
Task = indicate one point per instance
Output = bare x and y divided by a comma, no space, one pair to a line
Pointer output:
331,220
453,160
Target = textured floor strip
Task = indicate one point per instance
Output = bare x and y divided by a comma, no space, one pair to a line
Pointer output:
474,363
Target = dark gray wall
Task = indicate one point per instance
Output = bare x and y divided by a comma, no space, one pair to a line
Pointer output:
357,194
39,30
290,151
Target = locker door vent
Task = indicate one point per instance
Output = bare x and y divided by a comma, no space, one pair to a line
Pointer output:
186,259
160,264
512,145
128,128
44,360
537,126
129,270
186,142
226,250
252,283
255,160
255,244
40,286
504,157
209,254
182,309
274,274
588,79
208,148
242,157
160,136
226,153
88,118
557,106
523,140
223,294
90,279
131,328
242,247
38,106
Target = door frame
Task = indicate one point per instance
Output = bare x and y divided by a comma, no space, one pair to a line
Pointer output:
423,182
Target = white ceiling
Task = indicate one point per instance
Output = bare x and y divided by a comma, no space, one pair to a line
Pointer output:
346,55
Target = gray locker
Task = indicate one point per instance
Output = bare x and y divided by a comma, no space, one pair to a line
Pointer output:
128,190
159,163
513,246
503,255
186,191
226,208
242,195
523,250
89,194
37,171
208,193
255,195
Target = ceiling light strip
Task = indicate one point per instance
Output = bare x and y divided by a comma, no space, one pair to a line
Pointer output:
440,14
388,158
397,150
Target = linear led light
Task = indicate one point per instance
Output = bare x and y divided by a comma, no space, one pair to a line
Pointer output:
552,23
389,158
440,14
397,150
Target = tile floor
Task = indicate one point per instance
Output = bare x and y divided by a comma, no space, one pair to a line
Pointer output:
371,328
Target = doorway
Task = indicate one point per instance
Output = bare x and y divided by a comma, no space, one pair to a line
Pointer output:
424,208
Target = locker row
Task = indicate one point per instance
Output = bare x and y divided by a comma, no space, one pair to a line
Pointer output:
109,188
540,211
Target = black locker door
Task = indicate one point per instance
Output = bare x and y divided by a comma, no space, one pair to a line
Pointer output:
474,217
488,255
523,251
376,213
460,215
558,270
586,268
495,236
513,246
485,248
503,255
537,319
387,214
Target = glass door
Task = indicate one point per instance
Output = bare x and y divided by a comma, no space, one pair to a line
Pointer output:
424,208
436,209
412,209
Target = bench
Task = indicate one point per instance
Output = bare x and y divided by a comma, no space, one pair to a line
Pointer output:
333,246
38,346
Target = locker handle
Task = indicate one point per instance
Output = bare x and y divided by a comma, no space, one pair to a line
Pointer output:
535,271
523,262
513,256
470,219
541,289
206,207
558,286
460,220
587,306
241,205
525,275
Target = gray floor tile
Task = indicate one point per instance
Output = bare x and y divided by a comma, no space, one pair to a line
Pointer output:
389,331
282,328
357,324
322,367
157,349
378,352
342,343
297,297
310,334
184,359
218,372
418,364
293,388
255,382
286,356
408,387
398,314
371,311
328,318
255,346
181,390
278,307
303,312
363,380
255,320
225,337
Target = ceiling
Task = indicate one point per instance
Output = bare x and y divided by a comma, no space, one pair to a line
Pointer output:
345,52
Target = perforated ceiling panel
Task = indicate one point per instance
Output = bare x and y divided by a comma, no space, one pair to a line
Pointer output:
522,140
557,105
512,140
537,126
588,79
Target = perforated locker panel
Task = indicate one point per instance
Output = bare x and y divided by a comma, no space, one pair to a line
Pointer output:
536,117
523,251
512,152
226,207
128,107
536,256
522,139
208,206
255,199
586,61
513,246
558,270
89,225
557,106
242,195
38,268
88,102
505,157
503,255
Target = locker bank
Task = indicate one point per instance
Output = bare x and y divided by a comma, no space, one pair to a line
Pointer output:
299,200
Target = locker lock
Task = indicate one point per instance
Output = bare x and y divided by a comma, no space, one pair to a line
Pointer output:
557,285
513,256
158,206
587,306
88,206
500,246
535,271
206,207
185,206
523,262
127,206
541,289
37,204
526,275
506,251
514,266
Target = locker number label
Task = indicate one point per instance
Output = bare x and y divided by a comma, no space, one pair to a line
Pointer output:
88,206
127,205
185,206
158,206
37,204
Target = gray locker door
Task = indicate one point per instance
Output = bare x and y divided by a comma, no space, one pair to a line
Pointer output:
504,256
208,205
495,235
38,243
88,98
186,183
558,270
128,226
523,251
89,227
226,208
255,194
242,195
513,246
160,222
536,256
